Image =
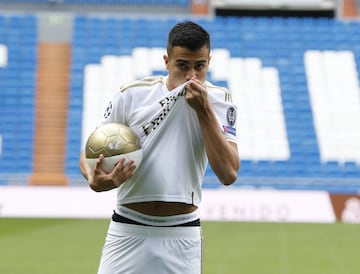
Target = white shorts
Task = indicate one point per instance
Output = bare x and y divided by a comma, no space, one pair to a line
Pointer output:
138,249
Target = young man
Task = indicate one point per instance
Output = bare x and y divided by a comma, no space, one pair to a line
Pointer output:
183,122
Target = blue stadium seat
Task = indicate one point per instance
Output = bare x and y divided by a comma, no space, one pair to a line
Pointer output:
351,169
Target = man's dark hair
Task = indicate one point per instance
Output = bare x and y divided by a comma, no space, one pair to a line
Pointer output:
188,35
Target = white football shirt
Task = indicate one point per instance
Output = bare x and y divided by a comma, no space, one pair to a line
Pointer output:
174,156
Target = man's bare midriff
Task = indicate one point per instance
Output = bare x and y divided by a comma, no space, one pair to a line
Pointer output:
158,208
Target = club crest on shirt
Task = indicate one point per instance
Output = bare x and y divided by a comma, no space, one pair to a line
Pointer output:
108,110
231,116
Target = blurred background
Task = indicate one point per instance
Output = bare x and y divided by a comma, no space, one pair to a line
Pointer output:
292,67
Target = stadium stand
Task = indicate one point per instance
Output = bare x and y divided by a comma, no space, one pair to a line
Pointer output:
264,61
18,38
96,6
295,80
101,2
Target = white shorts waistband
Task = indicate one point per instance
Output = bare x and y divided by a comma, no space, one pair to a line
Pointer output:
156,220
116,228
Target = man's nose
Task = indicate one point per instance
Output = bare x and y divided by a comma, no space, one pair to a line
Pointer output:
191,74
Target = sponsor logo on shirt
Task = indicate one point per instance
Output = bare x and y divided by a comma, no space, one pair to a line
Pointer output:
166,105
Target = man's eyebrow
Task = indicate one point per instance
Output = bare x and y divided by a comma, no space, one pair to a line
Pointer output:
186,61
182,61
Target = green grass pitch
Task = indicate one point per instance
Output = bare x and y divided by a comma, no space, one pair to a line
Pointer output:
73,246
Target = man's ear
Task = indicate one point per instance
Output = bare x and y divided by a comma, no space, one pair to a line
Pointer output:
166,60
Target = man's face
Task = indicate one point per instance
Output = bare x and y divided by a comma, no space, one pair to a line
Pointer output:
184,64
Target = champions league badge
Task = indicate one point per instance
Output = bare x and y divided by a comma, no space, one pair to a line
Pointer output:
108,110
231,116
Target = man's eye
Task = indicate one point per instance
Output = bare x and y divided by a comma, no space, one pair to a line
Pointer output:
200,67
182,66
